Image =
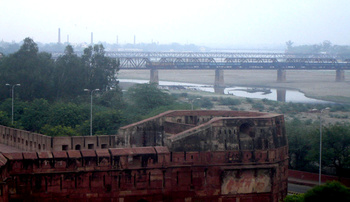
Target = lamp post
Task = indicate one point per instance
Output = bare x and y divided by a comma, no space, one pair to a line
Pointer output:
12,94
91,91
193,101
320,160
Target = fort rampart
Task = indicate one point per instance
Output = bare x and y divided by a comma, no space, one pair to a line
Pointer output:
29,141
175,156
148,173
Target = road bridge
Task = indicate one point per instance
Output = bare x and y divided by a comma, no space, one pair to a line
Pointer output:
220,61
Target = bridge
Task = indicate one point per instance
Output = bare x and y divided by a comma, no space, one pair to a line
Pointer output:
220,61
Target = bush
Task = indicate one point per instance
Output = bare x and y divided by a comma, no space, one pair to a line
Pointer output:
205,103
331,191
259,106
229,101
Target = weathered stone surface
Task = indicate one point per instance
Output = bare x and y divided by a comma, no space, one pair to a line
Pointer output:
207,156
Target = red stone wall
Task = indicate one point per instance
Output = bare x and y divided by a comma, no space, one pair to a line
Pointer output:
28,141
149,173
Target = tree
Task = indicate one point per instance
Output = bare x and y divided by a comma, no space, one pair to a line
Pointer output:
69,75
67,114
145,97
326,46
331,191
29,68
289,45
298,134
101,71
35,115
335,148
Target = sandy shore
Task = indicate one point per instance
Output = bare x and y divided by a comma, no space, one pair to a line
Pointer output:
316,84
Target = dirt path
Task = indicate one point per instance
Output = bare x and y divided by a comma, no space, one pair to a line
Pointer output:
317,84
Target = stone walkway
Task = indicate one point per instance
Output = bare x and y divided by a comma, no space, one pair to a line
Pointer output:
8,149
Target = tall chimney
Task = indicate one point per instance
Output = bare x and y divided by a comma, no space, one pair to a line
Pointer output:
67,38
134,39
92,38
59,35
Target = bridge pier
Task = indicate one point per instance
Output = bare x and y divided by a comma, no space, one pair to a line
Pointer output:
281,95
219,83
340,75
281,75
219,78
154,76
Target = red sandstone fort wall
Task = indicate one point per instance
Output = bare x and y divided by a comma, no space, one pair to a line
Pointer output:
149,173
28,141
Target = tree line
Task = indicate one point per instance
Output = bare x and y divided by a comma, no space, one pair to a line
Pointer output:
326,47
40,76
51,97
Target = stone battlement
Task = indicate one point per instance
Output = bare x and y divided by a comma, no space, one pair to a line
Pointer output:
175,156
149,173
29,141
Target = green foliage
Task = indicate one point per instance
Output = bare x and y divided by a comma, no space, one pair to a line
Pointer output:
324,47
107,122
229,101
4,118
101,71
145,97
69,75
35,115
331,191
258,105
249,100
41,76
294,198
67,114
298,134
335,144
205,103
58,131
112,98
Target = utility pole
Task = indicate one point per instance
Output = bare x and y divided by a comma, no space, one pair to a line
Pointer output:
13,92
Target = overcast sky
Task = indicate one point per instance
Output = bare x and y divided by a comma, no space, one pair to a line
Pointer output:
202,22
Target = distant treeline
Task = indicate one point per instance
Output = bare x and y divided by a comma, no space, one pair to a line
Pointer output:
323,48
9,48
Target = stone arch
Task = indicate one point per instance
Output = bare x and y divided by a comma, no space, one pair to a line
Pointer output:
77,147
246,136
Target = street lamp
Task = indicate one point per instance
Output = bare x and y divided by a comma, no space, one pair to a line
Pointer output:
320,160
91,91
193,101
13,92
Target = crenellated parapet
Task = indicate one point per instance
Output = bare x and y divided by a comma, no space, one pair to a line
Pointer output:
151,173
175,156
29,141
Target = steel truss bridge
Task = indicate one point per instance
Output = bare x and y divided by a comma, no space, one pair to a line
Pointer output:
226,60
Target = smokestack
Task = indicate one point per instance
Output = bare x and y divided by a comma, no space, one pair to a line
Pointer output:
92,38
134,39
117,39
67,38
59,35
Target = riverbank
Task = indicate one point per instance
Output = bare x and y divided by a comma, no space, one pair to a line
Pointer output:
315,84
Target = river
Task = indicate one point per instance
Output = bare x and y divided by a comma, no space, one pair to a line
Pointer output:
280,94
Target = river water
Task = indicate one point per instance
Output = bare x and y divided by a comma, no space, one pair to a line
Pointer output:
283,95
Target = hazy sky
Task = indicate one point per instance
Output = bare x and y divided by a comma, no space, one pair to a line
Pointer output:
202,22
